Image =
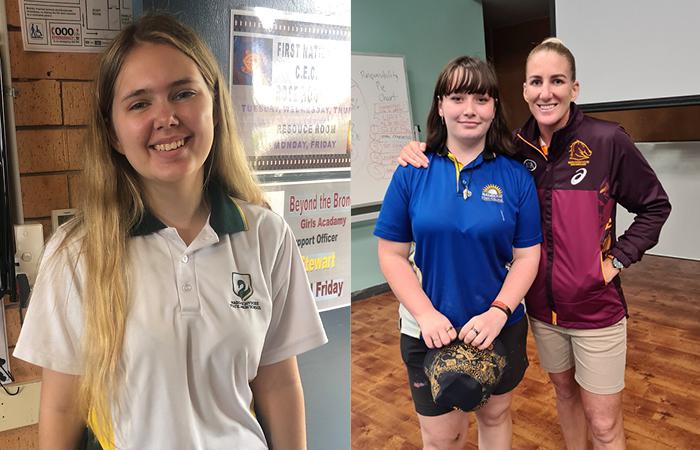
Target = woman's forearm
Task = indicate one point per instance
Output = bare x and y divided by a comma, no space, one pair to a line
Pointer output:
394,263
279,405
481,330
435,328
60,424
520,276
59,430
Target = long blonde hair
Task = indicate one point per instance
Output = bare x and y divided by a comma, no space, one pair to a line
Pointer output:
113,203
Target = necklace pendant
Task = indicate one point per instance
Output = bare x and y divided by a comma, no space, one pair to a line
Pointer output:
466,193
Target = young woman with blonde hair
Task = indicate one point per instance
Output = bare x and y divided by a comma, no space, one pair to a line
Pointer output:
176,301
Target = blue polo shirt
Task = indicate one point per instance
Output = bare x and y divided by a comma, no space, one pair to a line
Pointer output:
465,222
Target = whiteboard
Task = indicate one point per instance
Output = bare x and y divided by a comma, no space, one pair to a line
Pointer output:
381,123
677,164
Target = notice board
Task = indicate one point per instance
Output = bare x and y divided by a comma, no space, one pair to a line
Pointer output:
381,123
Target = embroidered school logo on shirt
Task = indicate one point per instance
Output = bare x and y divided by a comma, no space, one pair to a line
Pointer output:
492,193
243,288
579,154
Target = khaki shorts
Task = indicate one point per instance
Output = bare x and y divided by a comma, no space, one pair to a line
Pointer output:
598,355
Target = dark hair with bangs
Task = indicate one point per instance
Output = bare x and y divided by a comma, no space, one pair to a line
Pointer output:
469,76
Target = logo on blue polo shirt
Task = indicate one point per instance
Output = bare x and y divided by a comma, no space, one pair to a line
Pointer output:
243,288
492,193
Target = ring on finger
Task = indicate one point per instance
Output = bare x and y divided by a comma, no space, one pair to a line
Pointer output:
450,329
475,330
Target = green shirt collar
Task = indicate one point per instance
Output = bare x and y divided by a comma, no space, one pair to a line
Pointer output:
226,216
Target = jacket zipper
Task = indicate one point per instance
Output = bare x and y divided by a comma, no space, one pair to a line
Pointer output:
547,230
539,150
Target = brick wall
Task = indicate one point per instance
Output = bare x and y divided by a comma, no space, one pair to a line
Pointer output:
50,113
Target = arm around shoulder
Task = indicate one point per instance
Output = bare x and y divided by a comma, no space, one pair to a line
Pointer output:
413,153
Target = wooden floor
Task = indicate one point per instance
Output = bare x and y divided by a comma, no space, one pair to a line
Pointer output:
661,398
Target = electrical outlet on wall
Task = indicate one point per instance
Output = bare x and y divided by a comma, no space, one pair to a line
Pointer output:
61,216
29,242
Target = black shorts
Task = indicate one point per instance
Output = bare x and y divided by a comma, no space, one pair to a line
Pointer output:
413,352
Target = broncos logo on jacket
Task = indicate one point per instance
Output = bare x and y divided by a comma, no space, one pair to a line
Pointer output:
579,153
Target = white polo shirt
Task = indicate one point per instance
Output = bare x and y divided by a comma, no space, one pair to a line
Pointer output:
203,317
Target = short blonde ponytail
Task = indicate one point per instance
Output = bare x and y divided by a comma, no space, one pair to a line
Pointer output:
554,44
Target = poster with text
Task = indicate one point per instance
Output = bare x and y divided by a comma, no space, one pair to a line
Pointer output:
72,25
290,84
319,216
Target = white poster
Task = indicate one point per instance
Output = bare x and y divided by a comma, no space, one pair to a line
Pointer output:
72,25
290,83
318,213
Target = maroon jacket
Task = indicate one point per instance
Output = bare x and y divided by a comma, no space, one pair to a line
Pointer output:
592,165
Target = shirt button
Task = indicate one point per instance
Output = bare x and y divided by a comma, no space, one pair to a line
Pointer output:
185,258
187,287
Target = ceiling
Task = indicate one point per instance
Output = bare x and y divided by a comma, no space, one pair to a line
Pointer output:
501,13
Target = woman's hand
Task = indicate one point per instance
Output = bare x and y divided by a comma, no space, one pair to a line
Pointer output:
481,330
436,329
609,271
414,154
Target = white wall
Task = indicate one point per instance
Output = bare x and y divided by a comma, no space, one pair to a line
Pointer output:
677,164
632,49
